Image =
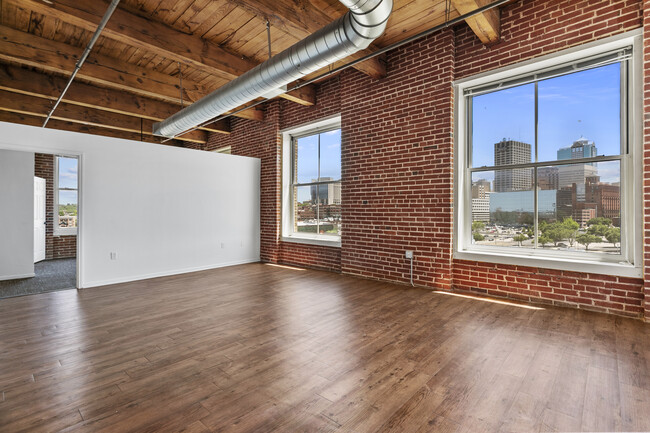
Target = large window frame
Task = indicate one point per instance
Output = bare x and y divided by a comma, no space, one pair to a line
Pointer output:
63,231
628,263
289,184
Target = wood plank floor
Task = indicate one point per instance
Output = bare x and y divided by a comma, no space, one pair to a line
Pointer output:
260,348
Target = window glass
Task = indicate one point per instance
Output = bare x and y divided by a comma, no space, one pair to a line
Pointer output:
330,155
546,204
66,193
316,184
306,157
580,114
505,217
506,115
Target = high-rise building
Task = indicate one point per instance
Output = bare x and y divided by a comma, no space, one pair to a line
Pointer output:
507,152
607,198
581,148
577,173
481,208
328,193
547,178
594,199
480,187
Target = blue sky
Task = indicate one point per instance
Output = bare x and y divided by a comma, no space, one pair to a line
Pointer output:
68,170
330,159
583,104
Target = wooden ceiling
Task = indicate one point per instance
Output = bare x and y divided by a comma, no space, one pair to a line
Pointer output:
133,75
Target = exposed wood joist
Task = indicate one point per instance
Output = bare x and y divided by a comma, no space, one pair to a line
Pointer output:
140,32
152,36
23,81
302,95
486,25
39,107
25,119
30,50
303,19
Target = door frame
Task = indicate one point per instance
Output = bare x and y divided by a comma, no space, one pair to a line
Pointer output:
29,148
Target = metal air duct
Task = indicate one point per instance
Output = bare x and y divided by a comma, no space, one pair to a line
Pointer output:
354,31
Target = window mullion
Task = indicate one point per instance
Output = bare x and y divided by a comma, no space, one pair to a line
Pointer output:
318,192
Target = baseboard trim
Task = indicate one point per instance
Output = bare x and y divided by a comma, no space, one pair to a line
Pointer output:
16,277
87,285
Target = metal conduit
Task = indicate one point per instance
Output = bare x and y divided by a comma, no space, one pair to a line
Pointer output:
84,55
338,69
354,31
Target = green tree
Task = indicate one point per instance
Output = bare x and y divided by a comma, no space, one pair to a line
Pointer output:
613,235
543,240
571,228
543,225
477,225
530,232
556,232
478,237
599,221
586,239
598,229
519,238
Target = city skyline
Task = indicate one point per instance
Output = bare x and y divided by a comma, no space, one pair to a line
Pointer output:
307,160
582,104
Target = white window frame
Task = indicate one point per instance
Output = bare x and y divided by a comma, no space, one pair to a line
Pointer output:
629,263
63,231
288,235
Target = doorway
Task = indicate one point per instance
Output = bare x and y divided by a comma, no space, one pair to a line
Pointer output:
54,225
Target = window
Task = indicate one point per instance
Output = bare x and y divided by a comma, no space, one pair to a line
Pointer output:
65,195
547,161
312,183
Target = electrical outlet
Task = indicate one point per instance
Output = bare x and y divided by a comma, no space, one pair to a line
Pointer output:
113,256
408,254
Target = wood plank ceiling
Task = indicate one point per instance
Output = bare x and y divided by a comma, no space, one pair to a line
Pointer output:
132,77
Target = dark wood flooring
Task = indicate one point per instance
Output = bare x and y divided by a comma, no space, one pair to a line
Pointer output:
260,348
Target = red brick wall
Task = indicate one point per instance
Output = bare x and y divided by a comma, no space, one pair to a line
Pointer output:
549,26
398,164
64,246
594,292
56,247
397,156
532,28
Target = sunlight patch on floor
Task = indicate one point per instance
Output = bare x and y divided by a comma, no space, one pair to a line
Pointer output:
494,301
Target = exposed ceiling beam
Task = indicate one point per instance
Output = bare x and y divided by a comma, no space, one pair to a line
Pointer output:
301,19
30,50
302,95
140,32
486,25
34,106
149,35
20,80
25,119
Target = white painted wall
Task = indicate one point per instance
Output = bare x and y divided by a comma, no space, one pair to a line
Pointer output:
163,210
16,214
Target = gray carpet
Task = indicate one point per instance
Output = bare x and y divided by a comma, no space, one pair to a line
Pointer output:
51,275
